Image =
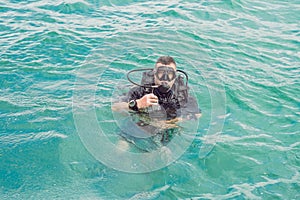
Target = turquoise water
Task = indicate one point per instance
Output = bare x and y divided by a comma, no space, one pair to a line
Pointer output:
62,63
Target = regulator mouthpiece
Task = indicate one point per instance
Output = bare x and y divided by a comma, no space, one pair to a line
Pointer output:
163,88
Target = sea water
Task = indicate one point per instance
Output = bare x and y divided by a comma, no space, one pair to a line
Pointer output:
63,62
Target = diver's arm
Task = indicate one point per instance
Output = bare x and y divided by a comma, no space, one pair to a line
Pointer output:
172,123
120,106
180,119
133,94
144,102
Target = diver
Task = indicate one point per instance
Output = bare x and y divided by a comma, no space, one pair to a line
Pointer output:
163,89
157,103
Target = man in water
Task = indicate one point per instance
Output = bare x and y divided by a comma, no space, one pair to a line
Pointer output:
156,105
168,94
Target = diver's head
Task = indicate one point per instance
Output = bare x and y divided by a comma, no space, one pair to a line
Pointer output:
165,73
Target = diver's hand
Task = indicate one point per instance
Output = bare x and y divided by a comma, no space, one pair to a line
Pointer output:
147,100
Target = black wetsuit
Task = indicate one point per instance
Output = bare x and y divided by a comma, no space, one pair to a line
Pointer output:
174,103
169,102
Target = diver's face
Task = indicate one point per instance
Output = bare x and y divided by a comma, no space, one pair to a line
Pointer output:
165,74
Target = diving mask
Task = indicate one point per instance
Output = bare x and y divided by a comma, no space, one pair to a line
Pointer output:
165,73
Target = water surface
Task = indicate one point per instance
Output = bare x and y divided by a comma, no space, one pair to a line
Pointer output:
243,61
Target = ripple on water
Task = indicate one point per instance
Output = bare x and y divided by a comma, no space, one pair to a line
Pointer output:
249,48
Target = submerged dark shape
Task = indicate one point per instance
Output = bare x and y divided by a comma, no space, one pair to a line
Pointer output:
144,135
